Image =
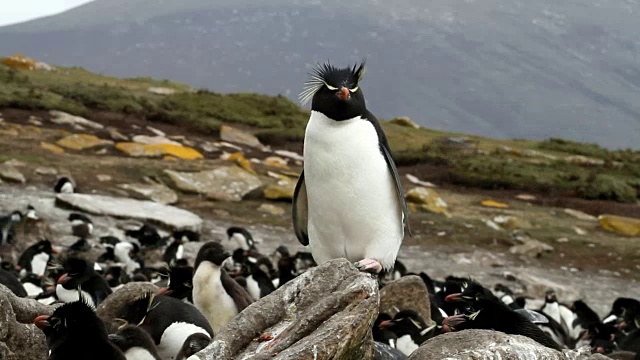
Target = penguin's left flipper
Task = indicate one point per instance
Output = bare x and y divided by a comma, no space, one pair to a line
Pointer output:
300,211
386,152
369,265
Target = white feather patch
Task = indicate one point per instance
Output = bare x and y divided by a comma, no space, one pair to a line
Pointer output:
174,337
138,353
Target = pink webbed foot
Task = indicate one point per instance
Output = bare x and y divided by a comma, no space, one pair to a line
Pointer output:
369,265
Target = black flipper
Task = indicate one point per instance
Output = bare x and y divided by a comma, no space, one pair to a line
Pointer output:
300,211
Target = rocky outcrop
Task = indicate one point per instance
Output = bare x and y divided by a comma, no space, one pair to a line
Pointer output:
9,172
405,121
82,142
154,192
228,183
169,216
283,189
19,338
325,313
153,140
489,345
62,118
406,293
51,147
233,135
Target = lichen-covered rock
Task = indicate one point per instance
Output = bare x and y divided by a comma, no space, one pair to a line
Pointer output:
228,182
82,141
281,190
483,345
52,147
325,313
426,199
158,150
406,293
620,225
19,338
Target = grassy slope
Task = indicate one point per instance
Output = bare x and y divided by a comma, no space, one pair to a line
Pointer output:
479,162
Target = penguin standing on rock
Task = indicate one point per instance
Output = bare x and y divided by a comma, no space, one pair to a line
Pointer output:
348,202
218,296
64,185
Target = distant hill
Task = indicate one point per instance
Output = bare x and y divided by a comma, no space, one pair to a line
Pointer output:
501,68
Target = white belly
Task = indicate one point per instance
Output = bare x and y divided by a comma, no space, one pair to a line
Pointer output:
354,211
210,297
68,296
174,337
32,289
406,345
138,353
39,263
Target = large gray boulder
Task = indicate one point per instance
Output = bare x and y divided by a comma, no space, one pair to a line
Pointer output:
229,183
19,338
325,313
119,299
165,215
406,293
490,345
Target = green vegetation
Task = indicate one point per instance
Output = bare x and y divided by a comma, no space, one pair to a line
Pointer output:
470,161
80,92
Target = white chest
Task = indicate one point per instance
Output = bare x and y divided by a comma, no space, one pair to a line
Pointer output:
32,289
138,353
68,296
406,345
353,208
174,337
39,263
210,297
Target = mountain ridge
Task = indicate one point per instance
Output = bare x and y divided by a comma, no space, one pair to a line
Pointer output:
497,68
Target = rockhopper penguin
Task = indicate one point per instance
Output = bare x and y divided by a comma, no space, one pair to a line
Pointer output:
348,201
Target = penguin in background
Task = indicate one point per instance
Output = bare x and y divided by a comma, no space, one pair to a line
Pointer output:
348,201
35,258
242,238
81,225
218,296
7,227
135,343
64,185
80,281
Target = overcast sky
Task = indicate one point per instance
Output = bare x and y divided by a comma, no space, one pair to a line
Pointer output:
15,11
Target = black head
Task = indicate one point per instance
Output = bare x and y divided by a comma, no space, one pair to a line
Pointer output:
60,185
129,336
76,271
79,217
76,320
109,240
245,239
136,311
550,296
213,252
42,246
180,282
335,92
16,216
283,251
405,322
472,293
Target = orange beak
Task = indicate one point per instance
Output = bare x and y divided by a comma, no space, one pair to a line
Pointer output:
343,94
63,279
164,291
41,321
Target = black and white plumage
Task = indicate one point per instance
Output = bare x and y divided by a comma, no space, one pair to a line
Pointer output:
411,330
7,227
242,237
81,225
35,258
193,344
64,185
169,321
12,282
348,202
135,343
218,296
74,331
80,281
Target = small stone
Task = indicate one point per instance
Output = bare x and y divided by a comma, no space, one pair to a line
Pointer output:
526,197
43,170
276,161
233,135
415,180
494,204
580,215
103,177
282,190
427,199
239,159
156,131
15,162
161,91
82,141
579,231
101,152
51,147
116,135
290,154
562,240
154,140
59,117
34,121
209,147
271,209
10,173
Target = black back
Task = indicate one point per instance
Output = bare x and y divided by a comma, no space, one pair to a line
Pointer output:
25,258
9,280
130,336
76,332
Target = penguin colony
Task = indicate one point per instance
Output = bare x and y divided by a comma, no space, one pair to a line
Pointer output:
348,203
